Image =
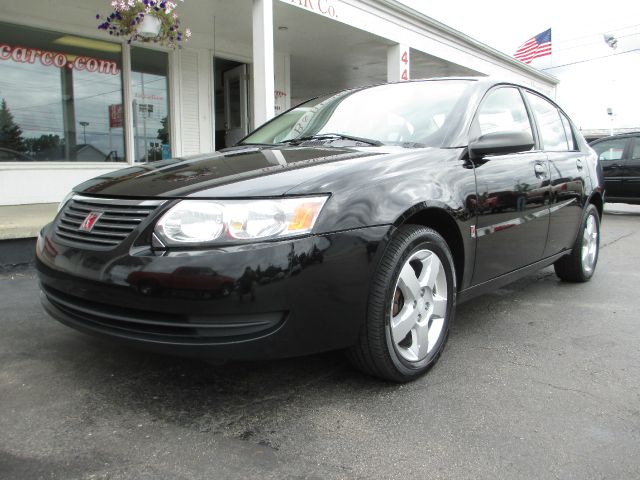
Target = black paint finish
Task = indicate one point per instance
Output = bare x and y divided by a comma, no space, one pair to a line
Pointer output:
505,214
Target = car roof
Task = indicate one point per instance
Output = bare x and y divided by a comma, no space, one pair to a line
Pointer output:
617,135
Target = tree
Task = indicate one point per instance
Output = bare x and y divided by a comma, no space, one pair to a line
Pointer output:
163,133
47,147
10,133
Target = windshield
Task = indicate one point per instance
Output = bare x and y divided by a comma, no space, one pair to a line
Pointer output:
411,113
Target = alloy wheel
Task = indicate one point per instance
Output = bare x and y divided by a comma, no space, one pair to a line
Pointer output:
419,306
590,244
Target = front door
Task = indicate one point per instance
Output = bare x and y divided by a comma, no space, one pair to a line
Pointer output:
513,192
631,183
236,118
611,157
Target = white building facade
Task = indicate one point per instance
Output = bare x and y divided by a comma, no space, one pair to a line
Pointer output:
78,103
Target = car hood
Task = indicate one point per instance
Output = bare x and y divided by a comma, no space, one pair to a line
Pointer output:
236,172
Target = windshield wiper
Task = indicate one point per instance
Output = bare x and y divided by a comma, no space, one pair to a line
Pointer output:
333,136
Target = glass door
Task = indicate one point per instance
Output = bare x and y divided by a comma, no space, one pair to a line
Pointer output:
235,104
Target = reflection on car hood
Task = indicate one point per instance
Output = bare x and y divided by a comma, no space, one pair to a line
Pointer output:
236,172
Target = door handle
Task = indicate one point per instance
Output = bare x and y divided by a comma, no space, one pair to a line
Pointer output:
579,164
540,169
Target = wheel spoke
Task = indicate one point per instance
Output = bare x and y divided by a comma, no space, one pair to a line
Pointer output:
434,332
430,270
412,352
422,339
402,323
439,306
408,283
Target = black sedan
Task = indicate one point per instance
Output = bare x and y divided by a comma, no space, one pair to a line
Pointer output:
619,156
356,220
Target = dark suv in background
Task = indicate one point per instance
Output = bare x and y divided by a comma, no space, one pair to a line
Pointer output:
619,156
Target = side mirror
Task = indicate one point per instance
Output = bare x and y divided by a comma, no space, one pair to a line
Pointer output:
499,143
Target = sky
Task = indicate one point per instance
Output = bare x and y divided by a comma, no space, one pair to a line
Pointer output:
586,88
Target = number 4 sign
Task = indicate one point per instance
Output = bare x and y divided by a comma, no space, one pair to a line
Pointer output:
404,59
398,63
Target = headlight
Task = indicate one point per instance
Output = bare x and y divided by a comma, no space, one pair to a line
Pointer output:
231,221
65,200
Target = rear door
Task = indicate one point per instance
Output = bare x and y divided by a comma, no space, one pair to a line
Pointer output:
611,157
513,191
568,170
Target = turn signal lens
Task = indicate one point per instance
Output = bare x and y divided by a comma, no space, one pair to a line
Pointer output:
304,216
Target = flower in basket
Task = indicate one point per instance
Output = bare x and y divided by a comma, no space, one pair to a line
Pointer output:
145,21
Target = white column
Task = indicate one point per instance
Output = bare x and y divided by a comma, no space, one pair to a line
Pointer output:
205,105
127,98
282,66
175,104
263,73
287,81
398,63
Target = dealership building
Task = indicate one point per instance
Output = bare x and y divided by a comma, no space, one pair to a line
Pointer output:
78,103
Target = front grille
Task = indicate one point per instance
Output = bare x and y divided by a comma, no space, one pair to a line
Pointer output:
160,327
118,218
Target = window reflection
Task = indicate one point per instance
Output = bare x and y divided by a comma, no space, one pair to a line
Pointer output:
150,104
60,97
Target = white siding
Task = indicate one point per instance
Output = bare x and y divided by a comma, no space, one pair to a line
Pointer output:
190,112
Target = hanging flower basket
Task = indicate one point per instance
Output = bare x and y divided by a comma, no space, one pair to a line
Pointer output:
145,21
149,27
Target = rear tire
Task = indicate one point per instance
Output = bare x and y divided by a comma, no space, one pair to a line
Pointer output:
580,265
411,305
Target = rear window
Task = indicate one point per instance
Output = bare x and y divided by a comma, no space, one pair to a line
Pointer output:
610,150
552,130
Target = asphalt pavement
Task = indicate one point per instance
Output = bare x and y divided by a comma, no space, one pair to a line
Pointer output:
539,380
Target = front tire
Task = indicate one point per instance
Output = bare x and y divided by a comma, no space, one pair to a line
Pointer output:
580,265
411,305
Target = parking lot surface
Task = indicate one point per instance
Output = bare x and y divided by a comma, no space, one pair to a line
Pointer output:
540,379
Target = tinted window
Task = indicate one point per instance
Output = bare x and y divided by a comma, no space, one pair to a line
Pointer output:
571,139
610,150
550,125
636,149
502,110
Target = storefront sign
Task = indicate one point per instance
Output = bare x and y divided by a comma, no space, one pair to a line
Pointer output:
57,59
143,96
323,7
115,116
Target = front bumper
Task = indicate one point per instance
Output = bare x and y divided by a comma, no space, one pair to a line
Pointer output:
267,300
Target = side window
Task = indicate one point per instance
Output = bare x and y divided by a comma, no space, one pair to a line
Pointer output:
551,128
635,155
502,110
611,150
568,131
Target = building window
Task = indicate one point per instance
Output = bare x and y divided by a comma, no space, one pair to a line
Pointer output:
149,73
60,97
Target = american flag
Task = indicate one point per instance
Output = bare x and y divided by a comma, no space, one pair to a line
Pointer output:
535,47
